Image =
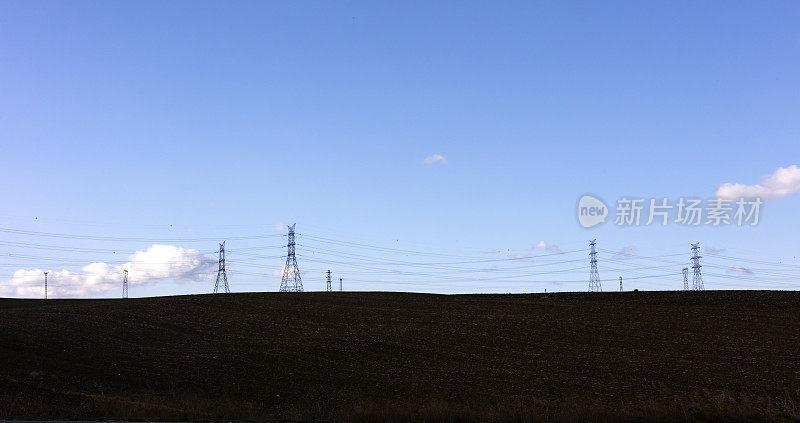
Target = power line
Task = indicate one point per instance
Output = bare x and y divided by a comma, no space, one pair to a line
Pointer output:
125,239
389,265
375,248
361,257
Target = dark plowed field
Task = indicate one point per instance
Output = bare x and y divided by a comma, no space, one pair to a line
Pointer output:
405,357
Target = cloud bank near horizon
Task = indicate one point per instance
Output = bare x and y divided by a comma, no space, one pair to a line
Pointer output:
157,263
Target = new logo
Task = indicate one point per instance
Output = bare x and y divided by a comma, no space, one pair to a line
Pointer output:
591,211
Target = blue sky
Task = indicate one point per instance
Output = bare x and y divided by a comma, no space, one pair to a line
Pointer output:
128,124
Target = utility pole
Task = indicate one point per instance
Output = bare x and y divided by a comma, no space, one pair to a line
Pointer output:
221,272
328,280
697,282
340,284
685,278
125,283
291,281
594,277
620,284
45,284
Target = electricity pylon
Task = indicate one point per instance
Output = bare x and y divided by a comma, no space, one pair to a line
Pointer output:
125,283
697,282
221,272
685,278
45,285
594,276
291,281
340,284
328,280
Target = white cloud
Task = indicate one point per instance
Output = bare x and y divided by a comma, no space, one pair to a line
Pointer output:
543,246
434,158
785,181
711,251
280,227
159,262
292,271
626,252
519,256
739,270
168,262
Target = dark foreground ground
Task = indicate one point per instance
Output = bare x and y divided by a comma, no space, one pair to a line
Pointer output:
638,356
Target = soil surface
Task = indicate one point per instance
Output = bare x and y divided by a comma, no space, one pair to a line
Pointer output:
399,356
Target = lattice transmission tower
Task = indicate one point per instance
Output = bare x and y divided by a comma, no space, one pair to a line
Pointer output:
291,281
620,284
328,280
45,285
594,277
221,275
340,284
685,278
697,282
125,283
